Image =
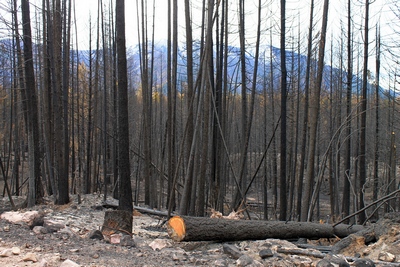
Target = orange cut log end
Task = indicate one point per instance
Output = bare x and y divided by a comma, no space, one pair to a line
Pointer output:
176,228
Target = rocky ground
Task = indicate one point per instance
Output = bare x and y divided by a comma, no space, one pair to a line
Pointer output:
67,236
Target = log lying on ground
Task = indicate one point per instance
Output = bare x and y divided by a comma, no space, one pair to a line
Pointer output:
218,229
114,205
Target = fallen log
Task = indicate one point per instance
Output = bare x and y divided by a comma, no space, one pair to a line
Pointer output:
219,229
114,205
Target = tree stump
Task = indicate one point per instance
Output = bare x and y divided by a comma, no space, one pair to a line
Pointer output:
219,229
386,227
117,221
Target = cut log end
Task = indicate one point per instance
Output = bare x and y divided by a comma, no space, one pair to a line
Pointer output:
176,228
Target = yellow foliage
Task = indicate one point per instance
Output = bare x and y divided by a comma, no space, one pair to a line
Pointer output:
156,96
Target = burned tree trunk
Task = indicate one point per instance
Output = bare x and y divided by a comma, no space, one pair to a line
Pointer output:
117,221
218,229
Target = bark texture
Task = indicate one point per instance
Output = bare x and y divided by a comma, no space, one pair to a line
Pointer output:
125,187
216,229
116,221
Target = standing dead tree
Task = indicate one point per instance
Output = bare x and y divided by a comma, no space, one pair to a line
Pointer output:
314,113
29,99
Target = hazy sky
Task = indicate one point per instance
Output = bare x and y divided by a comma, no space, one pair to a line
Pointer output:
297,14
86,7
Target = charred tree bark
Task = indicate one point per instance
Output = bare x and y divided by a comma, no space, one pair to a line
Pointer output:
347,162
125,188
252,97
35,192
244,142
171,96
377,114
121,220
89,130
282,187
184,206
314,109
60,164
217,229
304,133
117,221
363,129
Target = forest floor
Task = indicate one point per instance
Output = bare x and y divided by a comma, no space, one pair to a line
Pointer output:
71,245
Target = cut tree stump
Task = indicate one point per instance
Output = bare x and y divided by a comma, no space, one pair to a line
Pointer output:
218,229
117,221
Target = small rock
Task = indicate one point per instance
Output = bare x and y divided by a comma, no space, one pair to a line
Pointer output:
55,257
68,231
232,251
37,249
175,257
139,242
159,244
275,243
6,228
6,253
96,234
386,256
337,260
95,256
30,257
39,230
53,226
324,263
198,262
69,263
115,238
16,250
265,253
126,240
244,260
364,263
